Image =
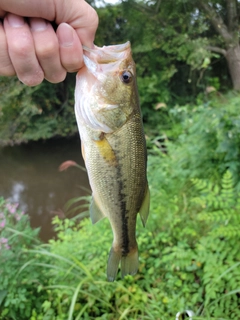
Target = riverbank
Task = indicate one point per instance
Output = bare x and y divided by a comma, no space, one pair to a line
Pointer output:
29,175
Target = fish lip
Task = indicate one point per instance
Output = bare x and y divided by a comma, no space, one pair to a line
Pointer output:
108,59
107,54
115,47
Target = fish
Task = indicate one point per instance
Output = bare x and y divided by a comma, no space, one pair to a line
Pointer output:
109,119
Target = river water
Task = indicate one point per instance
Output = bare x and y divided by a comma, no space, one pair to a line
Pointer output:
29,175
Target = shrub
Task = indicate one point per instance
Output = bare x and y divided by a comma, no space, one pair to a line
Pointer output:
184,262
209,140
18,291
189,251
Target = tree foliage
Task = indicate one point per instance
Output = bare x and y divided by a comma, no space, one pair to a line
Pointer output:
35,113
178,48
189,31
189,252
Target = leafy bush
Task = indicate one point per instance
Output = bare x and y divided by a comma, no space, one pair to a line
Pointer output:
185,263
202,141
220,207
33,113
18,291
189,251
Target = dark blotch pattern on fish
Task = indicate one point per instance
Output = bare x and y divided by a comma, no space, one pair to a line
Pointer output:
123,207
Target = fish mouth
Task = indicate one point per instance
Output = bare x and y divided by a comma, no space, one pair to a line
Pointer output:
100,61
108,54
103,66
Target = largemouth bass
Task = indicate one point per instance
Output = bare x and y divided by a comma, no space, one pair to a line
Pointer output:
113,147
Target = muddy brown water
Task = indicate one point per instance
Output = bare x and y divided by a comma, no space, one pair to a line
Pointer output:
29,175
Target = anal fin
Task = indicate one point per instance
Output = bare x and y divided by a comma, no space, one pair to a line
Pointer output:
144,210
95,212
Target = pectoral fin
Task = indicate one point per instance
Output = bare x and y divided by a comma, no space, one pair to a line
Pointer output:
144,210
83,150
95,212
106,151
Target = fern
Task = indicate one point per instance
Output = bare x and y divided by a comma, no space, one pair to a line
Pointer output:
219,207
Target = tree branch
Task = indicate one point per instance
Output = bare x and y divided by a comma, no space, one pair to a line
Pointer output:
217,22
146,10
158,5
217,49
232,15
140,7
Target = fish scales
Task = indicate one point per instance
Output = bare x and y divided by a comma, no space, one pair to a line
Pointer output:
120,184
115,158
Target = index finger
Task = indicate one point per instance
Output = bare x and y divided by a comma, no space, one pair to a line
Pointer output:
77,13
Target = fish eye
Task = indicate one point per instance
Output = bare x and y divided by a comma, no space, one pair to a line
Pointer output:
126,76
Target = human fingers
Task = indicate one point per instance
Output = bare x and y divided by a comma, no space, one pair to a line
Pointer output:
85,24
70,48
2,12
78,13
6,67
47,50
22,51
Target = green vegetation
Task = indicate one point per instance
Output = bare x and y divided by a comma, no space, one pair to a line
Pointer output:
189,251
35,113
180,51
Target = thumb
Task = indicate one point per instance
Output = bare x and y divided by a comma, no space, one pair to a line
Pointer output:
82,17
77,13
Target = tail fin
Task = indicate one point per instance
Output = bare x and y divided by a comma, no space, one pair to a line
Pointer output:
129,263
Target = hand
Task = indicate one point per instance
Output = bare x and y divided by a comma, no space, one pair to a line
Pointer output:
32,50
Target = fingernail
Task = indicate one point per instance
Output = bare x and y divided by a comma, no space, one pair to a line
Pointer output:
15,21
37,24
65,35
